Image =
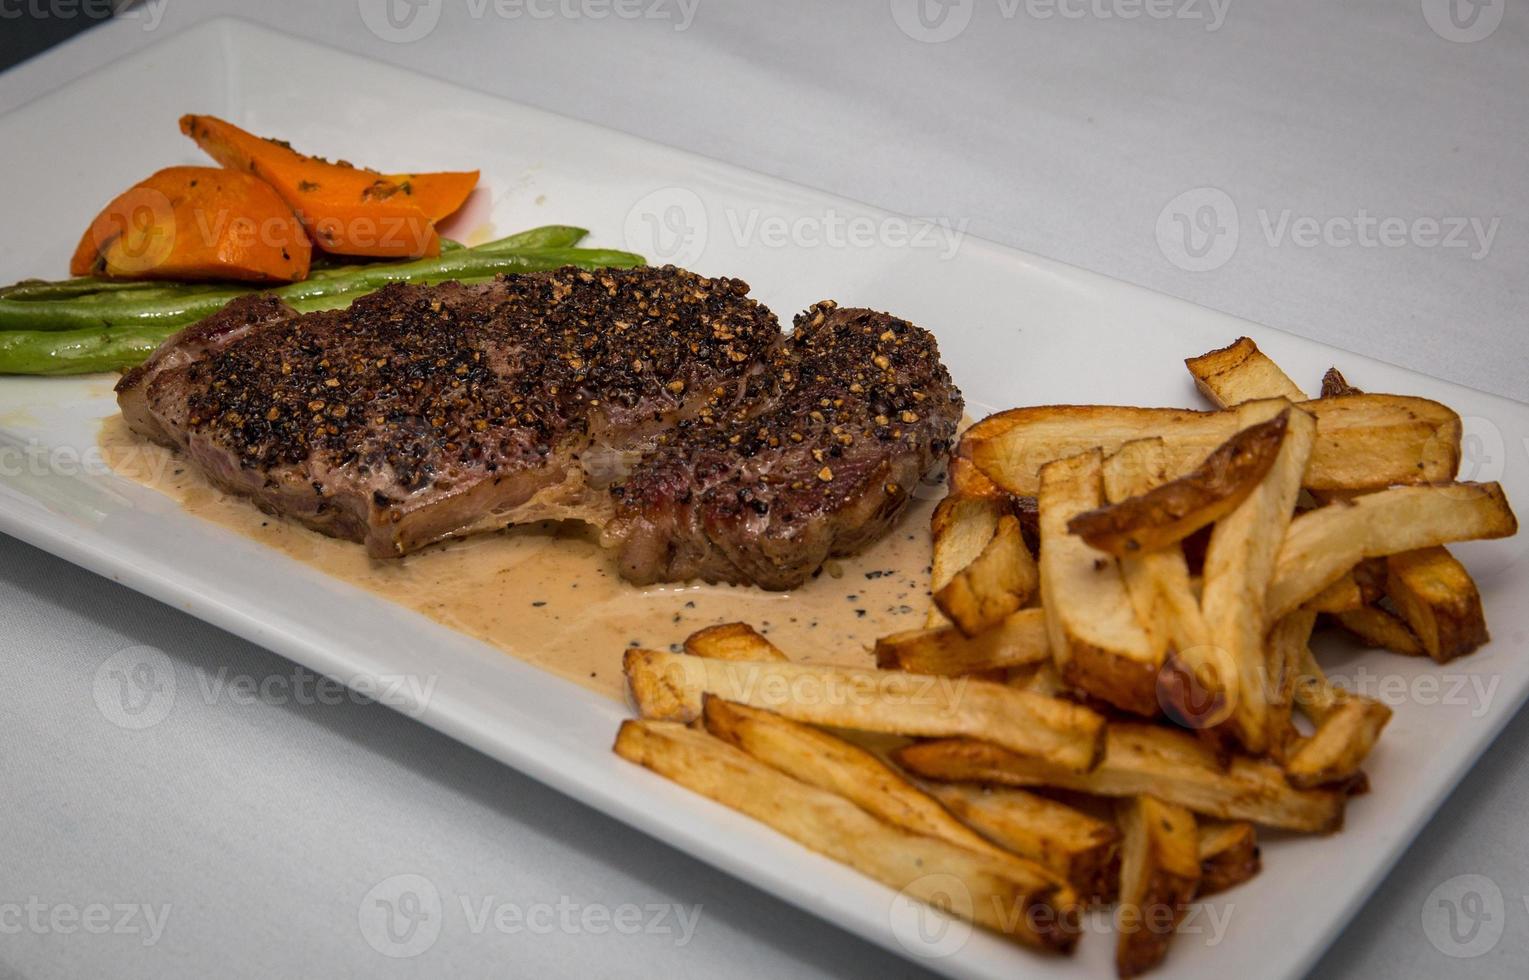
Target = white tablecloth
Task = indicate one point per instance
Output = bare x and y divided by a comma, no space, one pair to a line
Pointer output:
1349,171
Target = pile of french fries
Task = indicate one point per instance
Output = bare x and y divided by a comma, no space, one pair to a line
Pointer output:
1116,684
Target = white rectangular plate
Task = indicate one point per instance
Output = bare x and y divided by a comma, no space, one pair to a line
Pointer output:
1015,329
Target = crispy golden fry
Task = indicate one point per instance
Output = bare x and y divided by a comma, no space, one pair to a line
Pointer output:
1044,680
1439,600
1071,843
1366,441
964,480
1286,649
1344,595
1378,628
1240,373
1335,385
1164,598
1011,897
1142,758
997,582
1323,544
1239,564
1167,513
1229,855
1314,694
732,641
669,686
1159,872
1370,575
1340,744
829,762
961,528
1136,469
1096,641
1018,641
1430,587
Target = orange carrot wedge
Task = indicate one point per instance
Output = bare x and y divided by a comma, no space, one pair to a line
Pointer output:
349,210
195,223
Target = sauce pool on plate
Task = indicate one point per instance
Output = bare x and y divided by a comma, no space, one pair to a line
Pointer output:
548,594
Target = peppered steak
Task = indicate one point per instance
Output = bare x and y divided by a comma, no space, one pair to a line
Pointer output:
666,408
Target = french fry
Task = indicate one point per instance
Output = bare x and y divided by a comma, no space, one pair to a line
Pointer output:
669,687
1432,589
1343,739
1370,575
1287,647
1159,515
1323,544
1159,872
1378,628
1315,695
1229,855
1074,845
1188,684
1439,600
960,528
1239,565
1044,680
995,584
1335,385
1136,469
828,762
964,480
1344,595
732,641
1240,373
1366,441
1018,641
1144,759
1006,896
1096,641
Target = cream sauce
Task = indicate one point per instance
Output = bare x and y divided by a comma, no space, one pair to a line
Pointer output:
548,594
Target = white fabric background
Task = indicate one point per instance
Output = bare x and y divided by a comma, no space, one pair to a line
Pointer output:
264,825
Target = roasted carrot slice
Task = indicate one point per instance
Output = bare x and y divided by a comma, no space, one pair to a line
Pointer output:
349,210
195,223
438,195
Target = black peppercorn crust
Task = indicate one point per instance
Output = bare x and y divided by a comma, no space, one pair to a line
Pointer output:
422,413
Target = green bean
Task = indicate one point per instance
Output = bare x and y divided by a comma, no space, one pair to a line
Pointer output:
119,345
40,289
89,351
86,351
92,313
547,236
